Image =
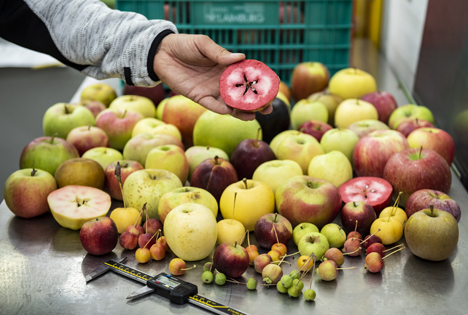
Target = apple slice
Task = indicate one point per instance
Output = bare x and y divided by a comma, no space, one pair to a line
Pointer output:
375,191
72,206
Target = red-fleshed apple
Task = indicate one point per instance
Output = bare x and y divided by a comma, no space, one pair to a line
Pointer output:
375,191
434,139
352,83
231,259
359,211
85,138
383,101
414,169
331,102
99,236
364,127
272,228
307,199
308,78
407,112
156,93
182,113
315,128
214,175
47,153
112,185
26,192
372,152
118,125
408,126
101,92
422,199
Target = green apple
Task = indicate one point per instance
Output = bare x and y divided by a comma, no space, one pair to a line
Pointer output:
191,231
302,229
160,108
280,137
223,131
333,166
147,187
230,231
146,125
100,92
197,154
331,102
335,235
169,157
352,110
343,140
364,127
305,110
409,111
299,148
182,195
313,242
276,172
136,103
103,155
61,118
352,83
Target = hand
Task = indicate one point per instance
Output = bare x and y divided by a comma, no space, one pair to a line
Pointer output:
191,65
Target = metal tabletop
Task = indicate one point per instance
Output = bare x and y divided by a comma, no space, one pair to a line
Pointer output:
43,268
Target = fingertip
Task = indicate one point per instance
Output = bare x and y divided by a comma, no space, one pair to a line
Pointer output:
242,115
232,58
267,110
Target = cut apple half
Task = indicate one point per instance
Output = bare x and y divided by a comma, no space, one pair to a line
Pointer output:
374,190
72,206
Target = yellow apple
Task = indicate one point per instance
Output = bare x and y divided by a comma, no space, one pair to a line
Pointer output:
352,83
254,199
333,166
230,231
169,157
391,230
146,125
353,110
124,217
396,213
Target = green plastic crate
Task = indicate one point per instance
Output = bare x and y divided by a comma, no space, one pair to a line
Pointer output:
308,30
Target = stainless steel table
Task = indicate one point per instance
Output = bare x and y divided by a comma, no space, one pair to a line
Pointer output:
43,268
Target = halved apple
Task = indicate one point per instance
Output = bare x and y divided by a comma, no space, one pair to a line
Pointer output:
72,205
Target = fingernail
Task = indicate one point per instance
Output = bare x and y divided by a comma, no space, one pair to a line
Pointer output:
237,55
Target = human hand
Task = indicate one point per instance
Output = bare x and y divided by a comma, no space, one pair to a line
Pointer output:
191,65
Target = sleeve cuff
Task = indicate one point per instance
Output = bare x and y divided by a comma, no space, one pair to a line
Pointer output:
152,53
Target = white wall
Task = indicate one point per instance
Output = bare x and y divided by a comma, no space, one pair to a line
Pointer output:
402,30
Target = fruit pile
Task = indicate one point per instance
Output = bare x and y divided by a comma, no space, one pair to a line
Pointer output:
197,179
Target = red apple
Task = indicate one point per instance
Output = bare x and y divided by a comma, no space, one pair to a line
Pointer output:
111,184
434,139
85,138
359,211
422,199
408,126
372,152
384,102
94,106
152,226
375,191
414,169
231,259
99,236
128,240
146,240
371,239
266,227
308,78
214,175
261,261
315,128
37,183
307,199
156,93
118,125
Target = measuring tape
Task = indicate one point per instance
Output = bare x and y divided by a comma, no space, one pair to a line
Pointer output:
176,290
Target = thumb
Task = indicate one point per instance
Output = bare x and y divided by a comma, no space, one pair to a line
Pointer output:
217,53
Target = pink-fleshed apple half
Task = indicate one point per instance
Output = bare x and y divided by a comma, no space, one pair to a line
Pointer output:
248,85
85,138
434,139
408,126
422,199
383,101
375,191
72,206
111,184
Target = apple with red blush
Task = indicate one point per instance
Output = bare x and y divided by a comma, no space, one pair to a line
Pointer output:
422,199
408,126
112,185
364,127
272,228
315,128
99,236
435,139
360,212
87,137
231,259
383,101
118,125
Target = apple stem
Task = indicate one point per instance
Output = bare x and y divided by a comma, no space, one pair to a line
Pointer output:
255,144
216,160
233,207
117,174
245,183
208,148
185,269
355,227
66,109
33,172
137,219
420,151
124,114
352,251
346,268
416,120
369,236
393,248
304,268
274,229
248,238
394,252
312,278
355,203
53,138
157,232
395,206
292,254
146,216
432,210
282,260
89,127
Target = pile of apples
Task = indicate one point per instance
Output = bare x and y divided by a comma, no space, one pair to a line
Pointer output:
180,168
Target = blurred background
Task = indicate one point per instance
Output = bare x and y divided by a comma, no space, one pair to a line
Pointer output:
425,43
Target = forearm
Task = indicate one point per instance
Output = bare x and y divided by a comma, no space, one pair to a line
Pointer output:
87,36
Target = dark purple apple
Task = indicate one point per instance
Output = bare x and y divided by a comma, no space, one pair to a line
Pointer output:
214,175
156,94
275,122
315,128
415,169
422,199
384,102
267,225
359,211
371,239
408,126
99,236
146,240
248,155
231,259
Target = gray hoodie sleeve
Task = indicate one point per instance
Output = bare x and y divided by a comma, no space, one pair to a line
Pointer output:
107,43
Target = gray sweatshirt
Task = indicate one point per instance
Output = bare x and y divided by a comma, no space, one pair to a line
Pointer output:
88,36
